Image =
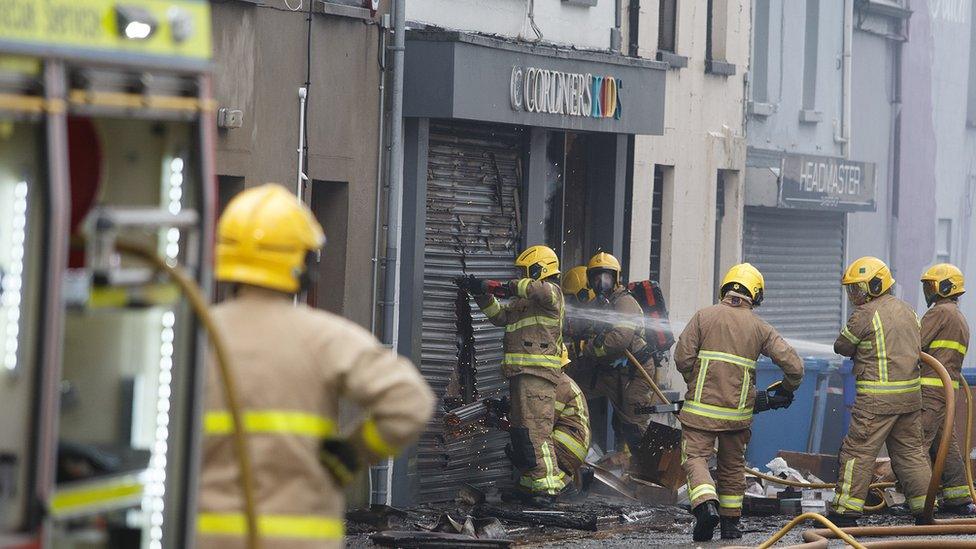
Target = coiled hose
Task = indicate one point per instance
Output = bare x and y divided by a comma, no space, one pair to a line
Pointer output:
200,308
820,538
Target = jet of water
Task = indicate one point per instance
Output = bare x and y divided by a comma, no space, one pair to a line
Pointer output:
575,312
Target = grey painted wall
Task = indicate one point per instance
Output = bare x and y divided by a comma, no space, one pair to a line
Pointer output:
782,130
260,63
939,160
871,233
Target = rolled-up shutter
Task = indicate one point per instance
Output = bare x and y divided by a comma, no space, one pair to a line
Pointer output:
801,256
471,228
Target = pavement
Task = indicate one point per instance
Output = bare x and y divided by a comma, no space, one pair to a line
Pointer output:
656,526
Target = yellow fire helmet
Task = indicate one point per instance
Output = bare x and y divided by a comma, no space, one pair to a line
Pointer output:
574,283
263,238
870,274
603,261
744,279
538,262
946,280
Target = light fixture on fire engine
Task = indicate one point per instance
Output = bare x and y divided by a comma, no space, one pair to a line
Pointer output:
135,23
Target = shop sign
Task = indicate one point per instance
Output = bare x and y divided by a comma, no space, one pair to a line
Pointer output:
547,91
827,183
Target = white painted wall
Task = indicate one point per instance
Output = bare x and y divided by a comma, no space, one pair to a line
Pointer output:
702,134
561,23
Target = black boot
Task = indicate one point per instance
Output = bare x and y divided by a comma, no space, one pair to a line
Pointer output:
706,518
842,521
730,528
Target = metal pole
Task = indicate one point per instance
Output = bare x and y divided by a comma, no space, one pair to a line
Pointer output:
300,176
391,313
384,28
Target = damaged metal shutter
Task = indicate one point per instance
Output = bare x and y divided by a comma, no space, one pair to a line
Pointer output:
472,228
801,256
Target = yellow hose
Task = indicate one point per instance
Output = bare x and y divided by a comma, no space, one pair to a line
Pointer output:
815,539
813,516
810,485
199,305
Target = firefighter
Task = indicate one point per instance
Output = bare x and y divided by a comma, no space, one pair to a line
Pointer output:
572,427
604,361
882,336
292,365
577,295
716,355
533,361
945,335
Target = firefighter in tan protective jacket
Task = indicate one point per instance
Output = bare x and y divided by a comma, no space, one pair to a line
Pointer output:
292,365
882,336
533,360
604,369
945,336
716,355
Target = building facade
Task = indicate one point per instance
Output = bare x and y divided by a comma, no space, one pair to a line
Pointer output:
511,138
821,121
938,137
260,59
686,210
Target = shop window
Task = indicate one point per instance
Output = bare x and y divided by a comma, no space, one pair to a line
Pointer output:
760,53
667,25
810,50
943,241
330,204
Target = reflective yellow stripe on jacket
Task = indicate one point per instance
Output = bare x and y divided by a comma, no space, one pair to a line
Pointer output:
727,357
948,344
716,412
695,406
889,387
270,421
272,526
879,341
533,321
850,336
525,359
936,382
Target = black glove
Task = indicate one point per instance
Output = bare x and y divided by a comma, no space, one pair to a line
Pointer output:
340,459
781,397
476,286
471,284
645,355
463,283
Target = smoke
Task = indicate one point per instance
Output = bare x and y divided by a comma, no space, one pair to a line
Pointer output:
578,313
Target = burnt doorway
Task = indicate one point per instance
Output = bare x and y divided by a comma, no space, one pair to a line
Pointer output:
579,188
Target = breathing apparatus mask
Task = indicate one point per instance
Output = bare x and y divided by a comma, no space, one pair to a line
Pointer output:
602,282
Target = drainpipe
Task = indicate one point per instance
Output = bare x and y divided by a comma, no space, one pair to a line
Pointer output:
384,28
844,135
383,473
615,39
